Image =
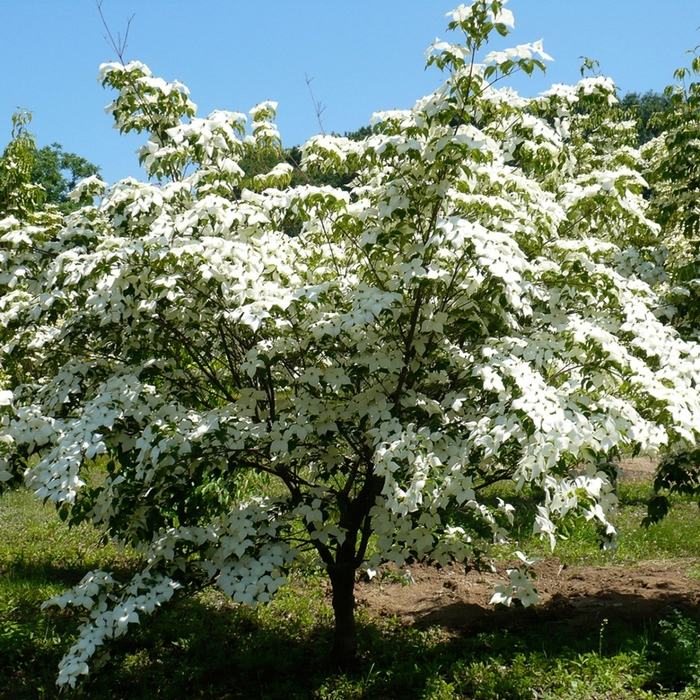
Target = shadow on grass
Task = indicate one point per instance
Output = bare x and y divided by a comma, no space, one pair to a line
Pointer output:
26,583
28,573
213,650
563,615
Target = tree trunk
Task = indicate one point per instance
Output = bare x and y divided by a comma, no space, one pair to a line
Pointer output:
342,578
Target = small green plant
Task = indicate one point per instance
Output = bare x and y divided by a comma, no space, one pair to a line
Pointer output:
14,639
676,653
405,578
601,635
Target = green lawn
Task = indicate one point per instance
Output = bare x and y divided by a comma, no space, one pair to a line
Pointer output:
204,647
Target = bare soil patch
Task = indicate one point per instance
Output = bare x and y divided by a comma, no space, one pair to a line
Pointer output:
638,468
577,597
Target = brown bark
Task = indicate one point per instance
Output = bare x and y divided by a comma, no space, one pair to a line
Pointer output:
355,521
342,576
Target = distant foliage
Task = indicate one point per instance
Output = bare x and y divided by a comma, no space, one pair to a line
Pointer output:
648,110
19,196
58,173
31,177
673,173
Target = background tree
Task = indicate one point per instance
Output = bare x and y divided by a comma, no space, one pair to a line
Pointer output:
648,110
58,173
21,204
32,177
464,311
19,196
673,172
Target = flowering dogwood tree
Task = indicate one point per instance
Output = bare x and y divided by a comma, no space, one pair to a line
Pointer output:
265,371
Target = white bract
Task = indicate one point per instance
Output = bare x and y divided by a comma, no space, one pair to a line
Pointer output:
268,365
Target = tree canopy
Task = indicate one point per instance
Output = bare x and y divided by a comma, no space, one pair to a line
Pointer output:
19,195
673,173
58,172
648,110
270,373
31,177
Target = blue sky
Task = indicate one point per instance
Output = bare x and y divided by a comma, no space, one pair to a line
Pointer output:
362,56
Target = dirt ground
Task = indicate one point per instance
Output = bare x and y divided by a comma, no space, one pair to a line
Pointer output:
582,596
638,468
579,596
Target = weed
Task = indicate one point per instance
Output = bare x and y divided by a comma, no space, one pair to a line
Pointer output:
676,653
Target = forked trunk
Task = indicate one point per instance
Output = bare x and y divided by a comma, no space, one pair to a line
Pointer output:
342,578
341,569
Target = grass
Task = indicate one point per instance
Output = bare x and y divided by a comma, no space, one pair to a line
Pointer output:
675,537
205,647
